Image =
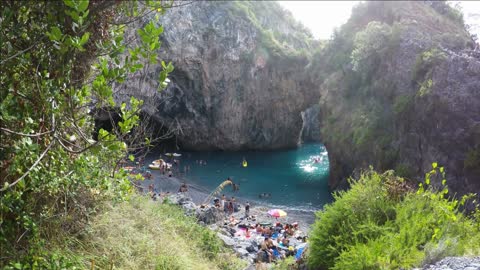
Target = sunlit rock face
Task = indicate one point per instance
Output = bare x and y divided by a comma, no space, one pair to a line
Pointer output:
231,89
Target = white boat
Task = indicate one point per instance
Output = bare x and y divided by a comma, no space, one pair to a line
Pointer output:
157,161
154,166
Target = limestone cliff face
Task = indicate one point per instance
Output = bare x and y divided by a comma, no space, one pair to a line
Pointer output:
413,101
239,80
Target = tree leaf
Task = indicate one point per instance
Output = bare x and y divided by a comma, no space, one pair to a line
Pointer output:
55,34
70,3
82,5
84,38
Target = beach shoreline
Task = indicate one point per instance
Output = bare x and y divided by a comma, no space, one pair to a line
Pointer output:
198,194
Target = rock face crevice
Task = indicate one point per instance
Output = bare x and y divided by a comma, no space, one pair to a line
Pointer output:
231,88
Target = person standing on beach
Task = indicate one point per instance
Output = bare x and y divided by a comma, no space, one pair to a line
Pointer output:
225,207
222,202
151,187
247,210
230,208
183,187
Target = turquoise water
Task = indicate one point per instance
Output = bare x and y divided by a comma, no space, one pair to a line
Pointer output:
295,178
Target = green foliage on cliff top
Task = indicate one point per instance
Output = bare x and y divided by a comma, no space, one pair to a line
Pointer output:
382,223
380,25
141,234
370,41
279,32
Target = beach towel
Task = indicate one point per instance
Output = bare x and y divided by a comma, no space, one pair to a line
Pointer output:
276,254
299,253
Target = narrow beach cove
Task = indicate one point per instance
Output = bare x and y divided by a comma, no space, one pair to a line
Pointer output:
295,180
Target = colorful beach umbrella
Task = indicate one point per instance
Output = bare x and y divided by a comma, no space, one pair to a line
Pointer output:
277,213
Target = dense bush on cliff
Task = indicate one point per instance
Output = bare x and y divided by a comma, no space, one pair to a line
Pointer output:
400,90
383,223
286,37
54,172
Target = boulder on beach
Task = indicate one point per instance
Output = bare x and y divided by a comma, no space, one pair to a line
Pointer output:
227,240
210,215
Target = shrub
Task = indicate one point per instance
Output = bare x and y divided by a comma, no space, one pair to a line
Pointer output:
369,42
356,216
426,61
372,227
286,264
425,88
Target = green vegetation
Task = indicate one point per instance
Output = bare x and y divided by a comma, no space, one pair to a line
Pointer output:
426,61
61,189
366,105
425,88
423,70
64,202
288,38
369,43
383,223
142,234
402,104
285,264
450,12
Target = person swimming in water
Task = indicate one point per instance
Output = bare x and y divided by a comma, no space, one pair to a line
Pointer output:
236,187
264,195
244,162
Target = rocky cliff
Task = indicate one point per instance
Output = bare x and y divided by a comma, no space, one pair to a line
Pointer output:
239,80
400,90
398,86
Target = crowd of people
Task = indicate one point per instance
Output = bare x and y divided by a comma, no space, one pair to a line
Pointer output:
274,240
229,206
